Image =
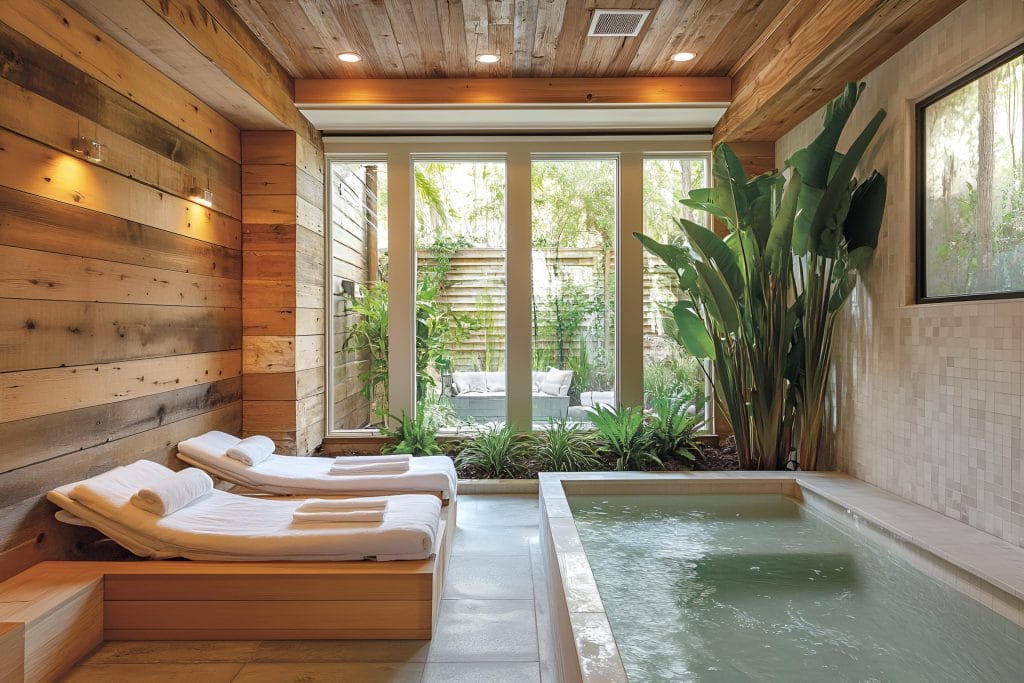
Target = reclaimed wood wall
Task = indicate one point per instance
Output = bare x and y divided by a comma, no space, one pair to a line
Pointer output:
283,289
120,298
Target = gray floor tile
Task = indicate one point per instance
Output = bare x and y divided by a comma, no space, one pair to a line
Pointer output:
478,541
342,651
489,578
481,672
499,510
485,631
331,672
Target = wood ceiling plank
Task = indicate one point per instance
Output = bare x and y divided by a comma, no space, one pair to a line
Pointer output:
452,24
545,43
418,46
669,27
524,32
684,90
808,58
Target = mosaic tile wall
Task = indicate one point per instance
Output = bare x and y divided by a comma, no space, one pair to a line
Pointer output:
929,396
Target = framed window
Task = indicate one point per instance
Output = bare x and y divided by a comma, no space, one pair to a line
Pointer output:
970,185
490,280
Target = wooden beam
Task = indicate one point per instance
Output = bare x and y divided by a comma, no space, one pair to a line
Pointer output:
492,91
809,53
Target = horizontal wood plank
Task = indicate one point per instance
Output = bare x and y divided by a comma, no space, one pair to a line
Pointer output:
32,440
29,274
31,393
67,34
32,167
34,222
267,586
48,334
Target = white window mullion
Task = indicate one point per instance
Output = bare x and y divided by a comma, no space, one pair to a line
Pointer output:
518,331
629,278
401,285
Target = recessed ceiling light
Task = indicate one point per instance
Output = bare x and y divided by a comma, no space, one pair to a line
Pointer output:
683,56
351,57
488,59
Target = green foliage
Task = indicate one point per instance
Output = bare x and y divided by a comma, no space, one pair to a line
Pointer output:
761,303
622,433
671,430
415,436
498,452
566,446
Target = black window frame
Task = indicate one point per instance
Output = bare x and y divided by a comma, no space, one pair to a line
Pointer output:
921,275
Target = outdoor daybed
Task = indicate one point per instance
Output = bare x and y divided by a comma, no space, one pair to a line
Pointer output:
480,396
297,475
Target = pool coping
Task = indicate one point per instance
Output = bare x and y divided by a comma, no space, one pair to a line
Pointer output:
984,567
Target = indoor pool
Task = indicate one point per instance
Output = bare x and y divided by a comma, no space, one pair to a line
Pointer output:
759,587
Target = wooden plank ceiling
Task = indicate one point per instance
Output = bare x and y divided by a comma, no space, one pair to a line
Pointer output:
534,38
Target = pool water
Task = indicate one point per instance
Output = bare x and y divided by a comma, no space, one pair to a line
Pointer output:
759,587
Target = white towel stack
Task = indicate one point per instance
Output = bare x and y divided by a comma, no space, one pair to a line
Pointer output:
370,464
174,492
253,450
321,510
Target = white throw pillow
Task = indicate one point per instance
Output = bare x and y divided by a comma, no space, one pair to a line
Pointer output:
538,377
496,382
473,383
556,382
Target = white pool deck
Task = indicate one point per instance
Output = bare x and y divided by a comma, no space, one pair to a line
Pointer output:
981,566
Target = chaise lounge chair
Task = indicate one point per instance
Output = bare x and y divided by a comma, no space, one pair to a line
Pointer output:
223,526
309,476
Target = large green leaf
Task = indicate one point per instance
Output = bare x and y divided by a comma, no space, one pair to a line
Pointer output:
780,240
675,257
864,219
708,207
814,161
716,297
731,180
714,250
692,333
838,188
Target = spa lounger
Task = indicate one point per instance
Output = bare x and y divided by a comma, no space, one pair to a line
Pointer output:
226,527
308,476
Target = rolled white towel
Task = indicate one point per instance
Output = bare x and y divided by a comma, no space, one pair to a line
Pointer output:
371,459
371,468
342,504
340,516
172,493
252,451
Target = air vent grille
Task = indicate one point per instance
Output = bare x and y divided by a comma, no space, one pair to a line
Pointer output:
617,22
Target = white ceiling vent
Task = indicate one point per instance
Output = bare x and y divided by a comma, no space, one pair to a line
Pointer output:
620,23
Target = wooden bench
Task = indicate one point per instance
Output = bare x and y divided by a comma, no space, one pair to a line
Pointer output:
55,613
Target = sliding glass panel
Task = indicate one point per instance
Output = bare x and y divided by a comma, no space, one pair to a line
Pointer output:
460,291
359,294
669,371
574,213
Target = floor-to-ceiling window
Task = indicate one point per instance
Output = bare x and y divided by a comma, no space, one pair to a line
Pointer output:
574,202
479,281
669,370
460,290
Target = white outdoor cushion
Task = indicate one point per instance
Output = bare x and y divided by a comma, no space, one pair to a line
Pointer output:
496,382
556,382
538,377
470,382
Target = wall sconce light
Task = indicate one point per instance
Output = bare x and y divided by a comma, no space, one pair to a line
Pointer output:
88,148
201,195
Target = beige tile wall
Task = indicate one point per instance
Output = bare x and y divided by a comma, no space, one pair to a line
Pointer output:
929,396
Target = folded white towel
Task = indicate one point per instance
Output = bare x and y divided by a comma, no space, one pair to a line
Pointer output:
174,492
371,468
253,450
342,504
340,516
371,459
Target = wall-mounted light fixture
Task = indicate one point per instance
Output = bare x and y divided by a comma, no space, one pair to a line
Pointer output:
88,148
201,195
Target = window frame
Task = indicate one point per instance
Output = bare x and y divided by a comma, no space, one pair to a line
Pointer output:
401,152
920,195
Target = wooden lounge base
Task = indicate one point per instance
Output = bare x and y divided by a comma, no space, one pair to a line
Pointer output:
55,613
